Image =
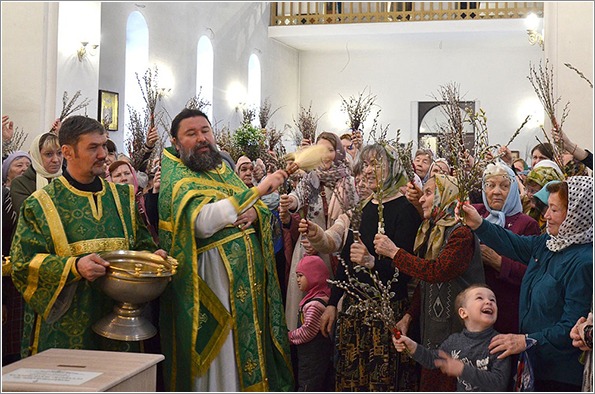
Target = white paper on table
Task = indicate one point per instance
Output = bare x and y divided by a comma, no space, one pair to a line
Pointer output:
49,376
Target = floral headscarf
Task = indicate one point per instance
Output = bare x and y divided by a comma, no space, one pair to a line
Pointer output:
396,176
432,230
577,228
512,205
545,171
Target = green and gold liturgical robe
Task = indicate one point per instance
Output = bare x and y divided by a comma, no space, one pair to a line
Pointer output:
56,225
195,323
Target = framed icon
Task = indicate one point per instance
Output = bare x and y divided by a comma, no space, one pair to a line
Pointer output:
108,110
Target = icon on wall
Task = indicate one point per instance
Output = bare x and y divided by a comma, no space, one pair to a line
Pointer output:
108,110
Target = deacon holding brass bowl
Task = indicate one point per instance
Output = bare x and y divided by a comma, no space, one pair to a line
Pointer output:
61,232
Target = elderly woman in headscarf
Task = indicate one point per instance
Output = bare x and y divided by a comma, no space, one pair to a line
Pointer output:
366,361
447,260
14,165
245,170
543,172
422,161
46,165
313,197
557,287
122,172
440,166
502,206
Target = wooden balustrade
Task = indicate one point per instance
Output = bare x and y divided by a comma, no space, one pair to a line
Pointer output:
317,13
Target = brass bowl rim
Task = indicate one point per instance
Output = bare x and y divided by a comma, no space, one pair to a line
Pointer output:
142,257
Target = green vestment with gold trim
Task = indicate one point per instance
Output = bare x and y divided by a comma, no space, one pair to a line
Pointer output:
56,225
194,322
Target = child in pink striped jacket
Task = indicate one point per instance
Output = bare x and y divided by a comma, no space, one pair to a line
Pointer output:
313,349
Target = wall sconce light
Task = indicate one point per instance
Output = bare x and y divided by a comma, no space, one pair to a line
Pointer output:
534,37
82,51
164,92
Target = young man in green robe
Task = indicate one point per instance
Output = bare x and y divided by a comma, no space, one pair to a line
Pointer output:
60,230
222,323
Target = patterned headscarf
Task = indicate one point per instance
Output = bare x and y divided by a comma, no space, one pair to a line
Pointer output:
314,181
396,176
432,230
513,204
577,228
339,150
545,171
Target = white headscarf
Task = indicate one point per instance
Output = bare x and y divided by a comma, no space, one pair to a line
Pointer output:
577,228
36,162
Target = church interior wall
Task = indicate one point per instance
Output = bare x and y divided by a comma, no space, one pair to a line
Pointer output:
39,63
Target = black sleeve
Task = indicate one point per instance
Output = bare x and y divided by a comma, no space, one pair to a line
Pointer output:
588,161
152,205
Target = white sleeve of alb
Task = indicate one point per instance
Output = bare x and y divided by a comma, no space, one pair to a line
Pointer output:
213,217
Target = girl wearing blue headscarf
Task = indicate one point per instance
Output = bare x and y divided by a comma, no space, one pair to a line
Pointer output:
502,206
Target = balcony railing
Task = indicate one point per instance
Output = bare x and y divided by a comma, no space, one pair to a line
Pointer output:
318,13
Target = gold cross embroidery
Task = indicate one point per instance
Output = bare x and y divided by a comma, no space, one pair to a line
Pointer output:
258,288
241,294
250,367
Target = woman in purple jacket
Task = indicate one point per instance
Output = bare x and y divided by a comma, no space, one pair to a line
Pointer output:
502,206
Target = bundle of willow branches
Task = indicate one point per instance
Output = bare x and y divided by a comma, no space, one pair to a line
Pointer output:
542,80
357,109
306,125
470,164
135,142
15,143
141,121
150,92
70,107
197,102
374,301
224,138
265,113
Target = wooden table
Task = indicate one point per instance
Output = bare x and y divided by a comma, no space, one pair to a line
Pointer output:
118,371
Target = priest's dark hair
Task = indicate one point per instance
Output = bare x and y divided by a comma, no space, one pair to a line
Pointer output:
185,114
75,126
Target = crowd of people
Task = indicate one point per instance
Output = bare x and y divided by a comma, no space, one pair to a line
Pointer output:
490,294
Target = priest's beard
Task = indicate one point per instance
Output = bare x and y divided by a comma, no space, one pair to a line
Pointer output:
200,162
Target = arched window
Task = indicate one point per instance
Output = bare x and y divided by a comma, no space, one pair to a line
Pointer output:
254,78
137,60
204,73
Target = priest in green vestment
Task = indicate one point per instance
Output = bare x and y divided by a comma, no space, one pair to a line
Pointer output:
222,322
60,230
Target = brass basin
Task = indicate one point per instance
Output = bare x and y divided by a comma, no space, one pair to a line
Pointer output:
133,279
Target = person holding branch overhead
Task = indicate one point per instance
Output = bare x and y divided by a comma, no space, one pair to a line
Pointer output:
558,285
